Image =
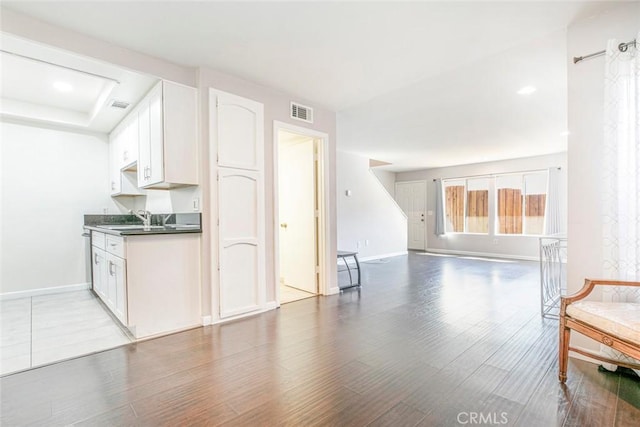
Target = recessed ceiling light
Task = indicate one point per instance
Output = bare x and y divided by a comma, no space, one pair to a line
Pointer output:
527,90
62,86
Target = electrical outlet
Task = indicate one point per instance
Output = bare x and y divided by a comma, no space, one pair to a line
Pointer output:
366,242
358,244
196,204
495,241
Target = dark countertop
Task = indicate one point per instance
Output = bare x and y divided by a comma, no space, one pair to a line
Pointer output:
140,231
130,225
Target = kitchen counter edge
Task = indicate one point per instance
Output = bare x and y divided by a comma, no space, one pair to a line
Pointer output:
139,232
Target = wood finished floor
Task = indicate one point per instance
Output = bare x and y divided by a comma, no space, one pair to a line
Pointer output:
289,294
427,341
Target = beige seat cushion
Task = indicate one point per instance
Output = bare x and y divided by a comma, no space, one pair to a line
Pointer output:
620,319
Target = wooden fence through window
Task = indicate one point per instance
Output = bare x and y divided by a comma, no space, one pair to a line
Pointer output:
510,218
534,213
478,211
454,208
510,212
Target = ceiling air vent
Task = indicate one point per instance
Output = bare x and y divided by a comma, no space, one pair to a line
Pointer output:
114,103
301,112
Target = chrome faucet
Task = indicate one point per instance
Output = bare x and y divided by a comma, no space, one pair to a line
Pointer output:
145,216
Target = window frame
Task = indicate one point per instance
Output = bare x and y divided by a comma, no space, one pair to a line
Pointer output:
523,203
465,222
492,192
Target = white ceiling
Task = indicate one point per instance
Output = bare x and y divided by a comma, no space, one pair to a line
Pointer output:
418,84
31,70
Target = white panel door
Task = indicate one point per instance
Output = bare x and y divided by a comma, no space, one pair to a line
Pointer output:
240,132
297,205
411,196
241,247
237,129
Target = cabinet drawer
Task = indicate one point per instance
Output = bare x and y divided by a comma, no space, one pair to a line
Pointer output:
98,239
115,246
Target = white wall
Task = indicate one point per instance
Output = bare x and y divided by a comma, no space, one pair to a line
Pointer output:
586,111
50,179
515,246
370,213
387,179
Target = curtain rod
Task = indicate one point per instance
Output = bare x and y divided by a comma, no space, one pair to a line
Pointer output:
59,66
622,47
489,175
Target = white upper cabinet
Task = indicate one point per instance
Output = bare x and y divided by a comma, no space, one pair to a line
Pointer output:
167,130
144,147
122,160
129,149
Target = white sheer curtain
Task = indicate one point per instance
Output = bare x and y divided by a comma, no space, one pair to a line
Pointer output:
621,174
553,216
439,209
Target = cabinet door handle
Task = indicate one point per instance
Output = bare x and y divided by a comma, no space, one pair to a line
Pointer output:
110,269
95,259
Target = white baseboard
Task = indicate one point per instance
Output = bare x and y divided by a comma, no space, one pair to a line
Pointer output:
333,291
44,291
370,258
352,262
482,254
206,320
271,305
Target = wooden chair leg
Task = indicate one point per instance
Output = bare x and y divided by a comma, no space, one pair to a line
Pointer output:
563,351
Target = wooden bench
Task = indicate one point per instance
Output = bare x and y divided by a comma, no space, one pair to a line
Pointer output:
614,324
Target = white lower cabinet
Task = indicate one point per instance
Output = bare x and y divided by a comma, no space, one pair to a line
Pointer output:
117,284
109,274
151,283
99,272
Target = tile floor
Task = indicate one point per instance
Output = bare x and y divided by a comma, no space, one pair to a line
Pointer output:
289,294
44,329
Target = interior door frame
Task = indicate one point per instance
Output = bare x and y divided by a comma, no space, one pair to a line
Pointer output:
322,191
426,192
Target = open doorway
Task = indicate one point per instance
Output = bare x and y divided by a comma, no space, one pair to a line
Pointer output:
301,202
297,216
